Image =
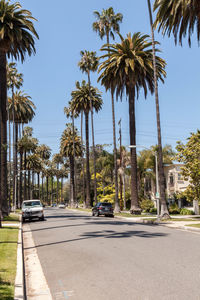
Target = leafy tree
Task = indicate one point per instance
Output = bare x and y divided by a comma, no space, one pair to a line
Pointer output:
189,155
129,67
17,34
106,25
179,17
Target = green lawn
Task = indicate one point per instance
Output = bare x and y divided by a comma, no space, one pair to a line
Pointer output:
194,225
8,261
12,218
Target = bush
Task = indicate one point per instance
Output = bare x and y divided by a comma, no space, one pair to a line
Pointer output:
153,210
146,205
185,211
173,209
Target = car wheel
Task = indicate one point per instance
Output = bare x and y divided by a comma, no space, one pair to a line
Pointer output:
96,214
42,218
93,214
23,220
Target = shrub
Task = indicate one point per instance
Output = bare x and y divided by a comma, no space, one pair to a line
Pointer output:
173,209
153,210
146,205
185,211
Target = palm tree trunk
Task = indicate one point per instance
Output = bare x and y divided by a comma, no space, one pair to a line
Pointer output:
29,184
47,188
38,184
117,207
57,190
16,164
3,123
88,201
42,186
10,168
20,179
75,169
72,189
164,209
132,131
124,190
83,164
25,188
93,144
62,189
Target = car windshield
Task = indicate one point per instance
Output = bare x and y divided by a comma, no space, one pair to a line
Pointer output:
32,203
105,204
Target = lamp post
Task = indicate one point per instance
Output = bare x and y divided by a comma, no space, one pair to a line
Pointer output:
157,182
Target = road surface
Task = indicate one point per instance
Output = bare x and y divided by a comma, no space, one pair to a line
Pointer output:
99,258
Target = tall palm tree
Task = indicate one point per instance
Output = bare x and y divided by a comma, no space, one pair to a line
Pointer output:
179,17
20,110
89,63
44,153
57,160
17,34
67,149
81,101
70,113
106,25
161,176
129,67
14,80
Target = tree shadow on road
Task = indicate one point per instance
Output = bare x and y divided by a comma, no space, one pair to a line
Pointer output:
107,234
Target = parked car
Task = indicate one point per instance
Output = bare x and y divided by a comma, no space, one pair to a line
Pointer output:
103,208
54,205
32,209
61,205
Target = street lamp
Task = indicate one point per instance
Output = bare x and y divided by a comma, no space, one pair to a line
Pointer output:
157,184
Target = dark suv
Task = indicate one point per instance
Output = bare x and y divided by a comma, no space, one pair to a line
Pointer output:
103,208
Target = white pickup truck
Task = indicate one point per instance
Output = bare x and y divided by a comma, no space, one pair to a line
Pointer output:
32,209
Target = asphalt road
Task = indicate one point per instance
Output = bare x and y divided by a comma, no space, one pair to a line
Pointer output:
99,258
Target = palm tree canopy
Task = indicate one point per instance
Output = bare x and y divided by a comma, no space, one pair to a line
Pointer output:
70,142
107,22
178,17
69,112
14,79
27,144
81,98
16,30
130,65
58,158
43,151
89,61
23,108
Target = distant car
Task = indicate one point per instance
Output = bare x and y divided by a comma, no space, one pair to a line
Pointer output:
103,208
54,205
61,205
32,209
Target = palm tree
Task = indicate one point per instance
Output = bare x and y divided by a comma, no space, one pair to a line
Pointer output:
17,38
129,67
57,160
87,64
161,177
70,113
106,25
20,110
14,80
179,17
67,149
44,153
81,101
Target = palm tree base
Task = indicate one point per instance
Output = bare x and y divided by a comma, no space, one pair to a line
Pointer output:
135,211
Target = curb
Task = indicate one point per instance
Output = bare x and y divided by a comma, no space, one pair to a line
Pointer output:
18,294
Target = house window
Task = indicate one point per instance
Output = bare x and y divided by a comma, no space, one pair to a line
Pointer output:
171,179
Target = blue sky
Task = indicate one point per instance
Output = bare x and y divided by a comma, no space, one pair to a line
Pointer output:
65,28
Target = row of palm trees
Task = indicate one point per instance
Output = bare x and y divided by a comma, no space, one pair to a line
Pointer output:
127,67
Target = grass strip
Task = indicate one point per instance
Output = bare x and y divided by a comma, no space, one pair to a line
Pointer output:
194,225
8,261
